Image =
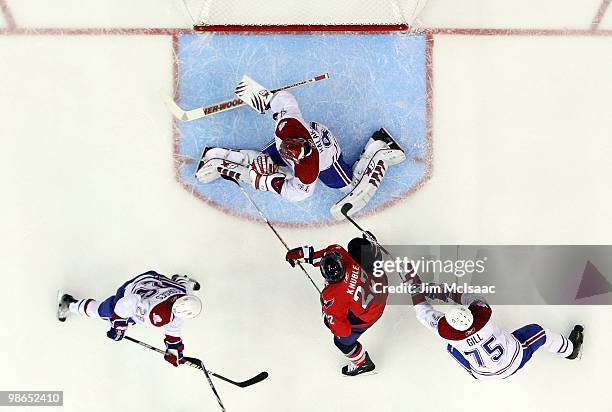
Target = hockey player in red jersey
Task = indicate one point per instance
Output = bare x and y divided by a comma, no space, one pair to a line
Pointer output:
148,299
475,341
349,302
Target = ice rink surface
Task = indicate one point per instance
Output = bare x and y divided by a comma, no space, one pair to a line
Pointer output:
521,140
376,80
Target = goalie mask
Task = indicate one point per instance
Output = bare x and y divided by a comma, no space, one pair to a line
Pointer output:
332,267
294,149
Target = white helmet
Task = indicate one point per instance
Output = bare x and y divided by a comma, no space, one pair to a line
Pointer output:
187,307
460,318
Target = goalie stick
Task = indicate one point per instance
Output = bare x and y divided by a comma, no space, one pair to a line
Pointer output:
345,209
196,363
194,114
265,219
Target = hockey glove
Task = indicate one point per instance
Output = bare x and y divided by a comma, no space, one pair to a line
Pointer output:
174,350
304,253
437,292
264,165
118,328
267,182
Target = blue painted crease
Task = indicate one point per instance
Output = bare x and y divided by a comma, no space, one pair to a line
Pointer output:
375,80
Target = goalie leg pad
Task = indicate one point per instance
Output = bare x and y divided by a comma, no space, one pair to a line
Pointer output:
364,188
219,161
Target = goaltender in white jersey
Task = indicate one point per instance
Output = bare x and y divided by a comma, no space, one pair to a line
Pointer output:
301,154
475,341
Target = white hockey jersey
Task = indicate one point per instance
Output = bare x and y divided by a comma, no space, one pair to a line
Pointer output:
148,300
492,353
290,123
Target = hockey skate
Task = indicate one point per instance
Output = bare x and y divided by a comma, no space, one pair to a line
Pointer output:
63,303
352,370
396,154
187,281
576,337
206,173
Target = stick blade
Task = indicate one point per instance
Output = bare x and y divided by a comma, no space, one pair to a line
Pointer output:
174,108
255,379
346,208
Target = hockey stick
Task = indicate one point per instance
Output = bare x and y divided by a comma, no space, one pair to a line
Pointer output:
193,362
196,363
344,210
194,114
265,219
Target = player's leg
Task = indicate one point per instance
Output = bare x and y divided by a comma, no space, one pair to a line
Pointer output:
559,345
91,308
84,307
359,360
458,356
533,337
380,152
187,282
217,161
338,176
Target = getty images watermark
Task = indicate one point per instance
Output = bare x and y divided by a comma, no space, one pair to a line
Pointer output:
427,266
505,274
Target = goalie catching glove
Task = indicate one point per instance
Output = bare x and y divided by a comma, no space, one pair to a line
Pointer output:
264,174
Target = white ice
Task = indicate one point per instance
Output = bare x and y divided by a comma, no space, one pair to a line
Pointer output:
522,156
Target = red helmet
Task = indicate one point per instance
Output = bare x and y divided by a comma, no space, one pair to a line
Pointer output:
294,149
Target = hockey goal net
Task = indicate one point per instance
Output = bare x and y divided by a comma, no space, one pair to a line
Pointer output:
305,15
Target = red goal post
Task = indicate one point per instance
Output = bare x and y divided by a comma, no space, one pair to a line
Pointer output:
305,15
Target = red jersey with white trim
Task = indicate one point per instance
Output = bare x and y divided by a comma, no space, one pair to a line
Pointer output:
354,301
148,300
290,123
492,353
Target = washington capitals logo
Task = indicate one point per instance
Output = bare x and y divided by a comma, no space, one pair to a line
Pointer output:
328,303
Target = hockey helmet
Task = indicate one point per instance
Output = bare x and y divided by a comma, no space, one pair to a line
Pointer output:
365,252
332,267
294,149
187,307
460,318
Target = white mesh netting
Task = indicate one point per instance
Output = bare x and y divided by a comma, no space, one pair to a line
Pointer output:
304,12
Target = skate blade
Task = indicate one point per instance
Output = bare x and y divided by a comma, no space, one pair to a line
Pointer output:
374,372
58,302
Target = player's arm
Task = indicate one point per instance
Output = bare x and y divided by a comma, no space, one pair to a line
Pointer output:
174,342
425,313
284,104
335,316
307,254
294,188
